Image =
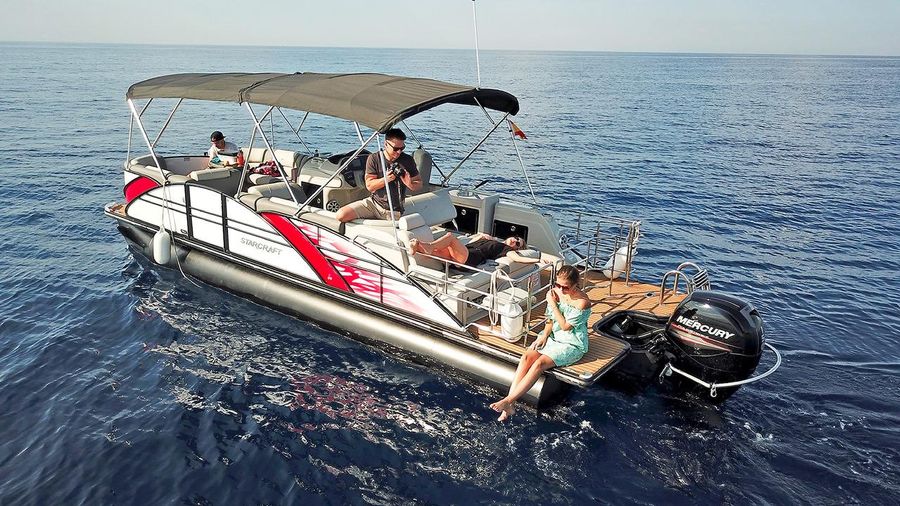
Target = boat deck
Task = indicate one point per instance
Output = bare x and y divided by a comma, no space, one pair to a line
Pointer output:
603,352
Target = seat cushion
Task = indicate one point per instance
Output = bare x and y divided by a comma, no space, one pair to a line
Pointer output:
279,189
256,155
210,174
263,179
436,208
406,222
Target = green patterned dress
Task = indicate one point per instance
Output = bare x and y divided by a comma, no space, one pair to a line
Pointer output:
565,347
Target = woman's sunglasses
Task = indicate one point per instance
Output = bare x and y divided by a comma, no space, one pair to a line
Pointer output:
562,287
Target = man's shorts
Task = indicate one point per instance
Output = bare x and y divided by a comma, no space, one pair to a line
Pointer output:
367,209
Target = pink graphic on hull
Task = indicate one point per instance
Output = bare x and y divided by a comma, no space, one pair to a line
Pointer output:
361,271
306,248
358,271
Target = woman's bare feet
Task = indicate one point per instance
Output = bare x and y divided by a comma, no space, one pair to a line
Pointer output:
505,408
417,246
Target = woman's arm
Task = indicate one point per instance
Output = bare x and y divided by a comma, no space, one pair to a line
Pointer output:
552,299
583,305
542,337
516,257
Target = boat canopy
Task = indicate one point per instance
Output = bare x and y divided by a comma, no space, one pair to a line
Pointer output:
377,101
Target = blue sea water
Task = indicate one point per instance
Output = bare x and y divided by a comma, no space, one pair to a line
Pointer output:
121,384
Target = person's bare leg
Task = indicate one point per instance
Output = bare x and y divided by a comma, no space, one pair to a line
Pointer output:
447,247
345,214
444,241
417,246
525,363
507,404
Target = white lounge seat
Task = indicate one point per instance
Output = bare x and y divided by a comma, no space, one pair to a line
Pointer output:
436,208
280,189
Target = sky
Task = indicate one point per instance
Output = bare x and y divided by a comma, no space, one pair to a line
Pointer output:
816,27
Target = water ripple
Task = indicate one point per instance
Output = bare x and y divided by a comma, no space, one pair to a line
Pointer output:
122,384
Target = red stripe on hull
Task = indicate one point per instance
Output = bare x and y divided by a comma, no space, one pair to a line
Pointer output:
137,187
306,248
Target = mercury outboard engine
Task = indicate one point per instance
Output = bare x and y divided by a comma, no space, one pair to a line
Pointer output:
716,338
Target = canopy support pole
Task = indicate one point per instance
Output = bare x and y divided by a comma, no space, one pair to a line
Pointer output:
515,146
166,124
130,136
246,166
358,132
448,176
387,192
144,109
336,172
420,145
297,131
521,163
140,125
262,134
131,130
302,121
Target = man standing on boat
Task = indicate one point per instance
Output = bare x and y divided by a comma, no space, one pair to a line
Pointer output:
402,175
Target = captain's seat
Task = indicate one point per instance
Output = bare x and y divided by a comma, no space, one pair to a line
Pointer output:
423,163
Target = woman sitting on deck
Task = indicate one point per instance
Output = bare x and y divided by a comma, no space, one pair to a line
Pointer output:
563,341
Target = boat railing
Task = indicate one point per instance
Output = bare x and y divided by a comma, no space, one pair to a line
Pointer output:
528,284
699,280
606,244
451,289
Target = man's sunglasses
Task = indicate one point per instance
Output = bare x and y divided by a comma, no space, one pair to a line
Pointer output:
395,148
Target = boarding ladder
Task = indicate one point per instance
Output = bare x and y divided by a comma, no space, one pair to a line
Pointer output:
694,277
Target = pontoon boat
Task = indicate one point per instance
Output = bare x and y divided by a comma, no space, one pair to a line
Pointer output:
275,240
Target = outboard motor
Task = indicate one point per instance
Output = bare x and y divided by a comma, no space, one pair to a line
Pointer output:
717,338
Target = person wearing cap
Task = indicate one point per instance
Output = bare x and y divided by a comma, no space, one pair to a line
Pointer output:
220,145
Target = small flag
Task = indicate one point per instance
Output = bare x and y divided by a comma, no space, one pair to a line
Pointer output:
516,130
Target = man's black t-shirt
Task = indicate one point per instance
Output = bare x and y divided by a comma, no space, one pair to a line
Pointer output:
398,189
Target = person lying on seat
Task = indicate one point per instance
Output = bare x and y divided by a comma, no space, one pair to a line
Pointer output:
482,247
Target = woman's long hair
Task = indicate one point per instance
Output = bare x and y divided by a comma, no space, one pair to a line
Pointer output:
569,273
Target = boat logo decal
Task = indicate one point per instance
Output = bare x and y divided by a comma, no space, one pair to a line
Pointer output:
260,246
307,250
702,327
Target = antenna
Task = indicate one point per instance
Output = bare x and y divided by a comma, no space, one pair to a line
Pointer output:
477,60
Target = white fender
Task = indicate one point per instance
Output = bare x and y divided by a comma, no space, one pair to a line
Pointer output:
162,247
617,263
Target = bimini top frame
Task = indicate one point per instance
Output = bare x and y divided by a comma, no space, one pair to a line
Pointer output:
377,101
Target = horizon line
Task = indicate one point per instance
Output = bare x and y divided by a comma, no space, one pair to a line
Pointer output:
660,52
